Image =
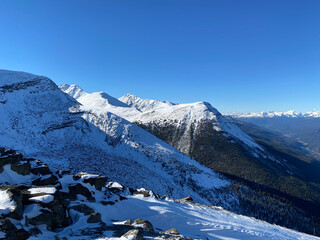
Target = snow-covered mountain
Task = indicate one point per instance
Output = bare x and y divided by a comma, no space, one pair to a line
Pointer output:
39,120
274,114
61,205
200,131
146,111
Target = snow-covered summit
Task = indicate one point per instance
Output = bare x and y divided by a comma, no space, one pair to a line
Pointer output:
146,111
144,104
10,77
73,90
41,121
274,114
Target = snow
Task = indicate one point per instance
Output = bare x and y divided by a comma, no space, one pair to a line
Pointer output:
32,210
73,90
194,221
114,185
6,204
36,190
144,104
11,177
87,175
43,198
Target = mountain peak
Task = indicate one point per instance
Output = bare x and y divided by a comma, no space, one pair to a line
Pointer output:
73,90
144,104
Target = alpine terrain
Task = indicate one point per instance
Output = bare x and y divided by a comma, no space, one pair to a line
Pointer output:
81,167
201,132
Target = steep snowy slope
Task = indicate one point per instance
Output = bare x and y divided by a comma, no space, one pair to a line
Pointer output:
41,121
201,132
61,205
146,111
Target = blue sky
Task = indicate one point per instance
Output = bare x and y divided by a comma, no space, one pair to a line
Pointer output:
239,55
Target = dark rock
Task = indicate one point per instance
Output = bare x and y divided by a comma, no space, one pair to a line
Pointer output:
22,169
12,233
83,209
107,203
145,223
35,231
42,170
94,218
52,180
135,234
172,231
53,220
122,198
80,189
99,182
2,149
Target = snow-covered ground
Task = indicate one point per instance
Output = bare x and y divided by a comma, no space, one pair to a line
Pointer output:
198,222
39,120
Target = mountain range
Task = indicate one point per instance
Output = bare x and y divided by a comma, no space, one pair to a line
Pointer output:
172,149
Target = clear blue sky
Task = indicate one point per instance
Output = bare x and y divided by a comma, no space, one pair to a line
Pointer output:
238,55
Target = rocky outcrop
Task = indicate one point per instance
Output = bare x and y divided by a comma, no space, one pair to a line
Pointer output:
47,201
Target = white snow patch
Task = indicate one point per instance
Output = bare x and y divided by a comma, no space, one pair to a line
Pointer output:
6,204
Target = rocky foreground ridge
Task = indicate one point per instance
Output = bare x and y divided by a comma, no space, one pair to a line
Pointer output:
43,203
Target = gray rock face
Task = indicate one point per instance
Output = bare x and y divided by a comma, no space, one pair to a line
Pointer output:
172,231
144,224
135,234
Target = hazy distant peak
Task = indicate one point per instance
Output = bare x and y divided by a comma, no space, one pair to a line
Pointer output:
272,114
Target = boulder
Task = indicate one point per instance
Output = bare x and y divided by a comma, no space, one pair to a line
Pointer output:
128,222
115,186
143,224
94,218
53,220
80,189
22,169
145,193
99,182
172,231
135,234
41,170
52,180
11,232
83,209
187,199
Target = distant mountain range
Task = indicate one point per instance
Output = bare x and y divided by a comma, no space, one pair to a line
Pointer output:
275,114
300,128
